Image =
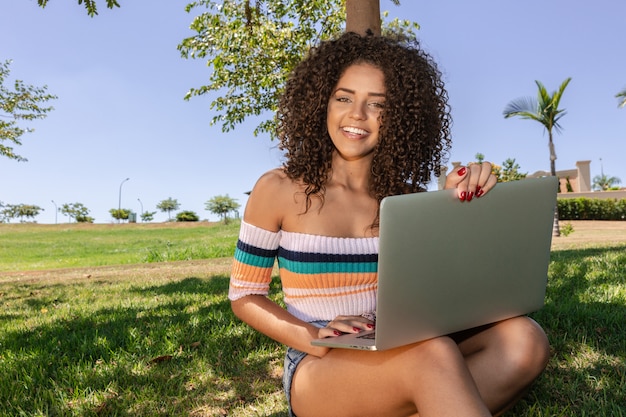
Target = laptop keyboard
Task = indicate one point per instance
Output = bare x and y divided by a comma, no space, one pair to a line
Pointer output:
371,335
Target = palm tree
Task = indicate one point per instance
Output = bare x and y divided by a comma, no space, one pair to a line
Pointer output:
545,110
604,182
621,96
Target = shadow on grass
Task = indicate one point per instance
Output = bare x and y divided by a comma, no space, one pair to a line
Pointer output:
585,320
217,285
177,344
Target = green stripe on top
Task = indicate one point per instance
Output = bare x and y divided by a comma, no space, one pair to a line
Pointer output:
254,260
327,267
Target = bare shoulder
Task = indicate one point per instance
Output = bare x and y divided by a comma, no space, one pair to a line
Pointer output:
274,185
275,178
270,199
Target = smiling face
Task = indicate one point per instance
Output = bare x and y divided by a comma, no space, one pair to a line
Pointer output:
354,111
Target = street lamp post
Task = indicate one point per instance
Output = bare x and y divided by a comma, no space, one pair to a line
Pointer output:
119,204
601,168
141,208
56,211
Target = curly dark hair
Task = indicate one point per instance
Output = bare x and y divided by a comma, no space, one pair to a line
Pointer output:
414,137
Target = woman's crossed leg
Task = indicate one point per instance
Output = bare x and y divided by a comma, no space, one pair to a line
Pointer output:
473,373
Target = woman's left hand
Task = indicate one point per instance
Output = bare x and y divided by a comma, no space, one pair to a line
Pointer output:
471,181
346,324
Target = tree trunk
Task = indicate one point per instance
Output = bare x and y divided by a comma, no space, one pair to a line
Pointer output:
556,230
552,155
363,16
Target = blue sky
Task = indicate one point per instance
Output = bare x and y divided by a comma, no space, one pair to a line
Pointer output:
121,82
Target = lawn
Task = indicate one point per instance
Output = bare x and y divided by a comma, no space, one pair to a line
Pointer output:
113,335
40,247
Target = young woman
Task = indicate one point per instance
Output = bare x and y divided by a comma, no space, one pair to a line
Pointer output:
362,118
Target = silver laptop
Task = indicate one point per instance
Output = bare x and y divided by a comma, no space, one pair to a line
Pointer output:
446,265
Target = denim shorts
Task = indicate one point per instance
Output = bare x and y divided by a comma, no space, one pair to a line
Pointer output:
292,359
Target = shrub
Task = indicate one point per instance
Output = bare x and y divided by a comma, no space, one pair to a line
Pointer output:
187,216
567,229
591,209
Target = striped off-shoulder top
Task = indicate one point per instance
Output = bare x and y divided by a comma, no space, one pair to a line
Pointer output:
322,277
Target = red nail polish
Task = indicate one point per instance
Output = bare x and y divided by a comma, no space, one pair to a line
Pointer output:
461,172
337,333
480,193
463,196
370,326
470,195
356,329
478,188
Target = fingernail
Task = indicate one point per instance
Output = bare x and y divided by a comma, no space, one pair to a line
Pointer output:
478,188
370,326
356,329
479,192
461,172
337,333
470,196
463,196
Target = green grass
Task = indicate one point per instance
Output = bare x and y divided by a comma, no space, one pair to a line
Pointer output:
585,319
169,345
36,247
151,348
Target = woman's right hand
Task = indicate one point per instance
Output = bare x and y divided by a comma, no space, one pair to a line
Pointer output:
346,324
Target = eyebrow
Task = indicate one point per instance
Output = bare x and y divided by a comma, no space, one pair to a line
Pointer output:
347,90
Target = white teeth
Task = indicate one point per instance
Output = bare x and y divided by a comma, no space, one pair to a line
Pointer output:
354,130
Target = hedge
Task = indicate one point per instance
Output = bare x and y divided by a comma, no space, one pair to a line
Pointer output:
591,209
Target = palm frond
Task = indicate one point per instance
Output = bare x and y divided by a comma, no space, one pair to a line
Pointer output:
622,98
543,98
525,107
556,96
555,120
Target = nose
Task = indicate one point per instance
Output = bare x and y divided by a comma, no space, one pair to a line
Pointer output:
358,111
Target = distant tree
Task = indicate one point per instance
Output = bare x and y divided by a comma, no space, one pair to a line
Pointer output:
30,211
222,205
76,211
509,171
23,102
545,110
187,216
621,96
147,216
120,214
90,5
21,211
603,182
168,206
9,211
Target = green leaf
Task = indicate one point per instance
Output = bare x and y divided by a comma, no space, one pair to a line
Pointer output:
251,47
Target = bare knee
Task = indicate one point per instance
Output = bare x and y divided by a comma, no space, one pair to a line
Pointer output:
440,356
440,350
526,348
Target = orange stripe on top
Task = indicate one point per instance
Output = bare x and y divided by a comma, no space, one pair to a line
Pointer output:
322,281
